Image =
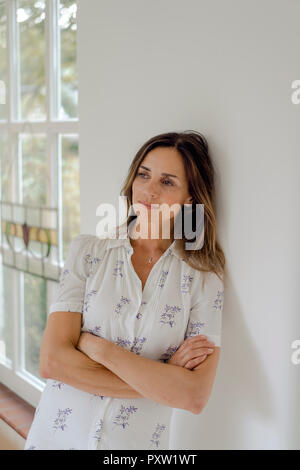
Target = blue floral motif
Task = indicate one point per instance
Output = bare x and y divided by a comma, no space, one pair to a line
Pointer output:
194,328
134,346
123,417
219,300
86,305
118,269
162,278
167,317
60,421
139,314
63,277
91,261
98,395
186,283
32,448
137,345
157,434
57,385
123,301
168,353
123,342
99,426
95,330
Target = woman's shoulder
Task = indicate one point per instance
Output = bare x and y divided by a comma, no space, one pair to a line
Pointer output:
205,281
93,243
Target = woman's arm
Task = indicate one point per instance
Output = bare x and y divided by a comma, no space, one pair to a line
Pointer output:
60,360
167,384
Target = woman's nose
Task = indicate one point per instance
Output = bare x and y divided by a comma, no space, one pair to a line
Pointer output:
152,190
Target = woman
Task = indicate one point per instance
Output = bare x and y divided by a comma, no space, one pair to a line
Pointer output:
135,329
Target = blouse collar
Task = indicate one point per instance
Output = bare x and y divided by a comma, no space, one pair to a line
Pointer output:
116,242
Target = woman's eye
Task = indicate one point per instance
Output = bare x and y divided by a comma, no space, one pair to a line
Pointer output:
165,181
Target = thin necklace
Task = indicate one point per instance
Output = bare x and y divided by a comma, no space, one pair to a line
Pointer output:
151,259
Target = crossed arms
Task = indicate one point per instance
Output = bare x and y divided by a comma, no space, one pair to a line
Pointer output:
113,371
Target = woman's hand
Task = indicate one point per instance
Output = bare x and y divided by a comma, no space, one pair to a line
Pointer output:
192,352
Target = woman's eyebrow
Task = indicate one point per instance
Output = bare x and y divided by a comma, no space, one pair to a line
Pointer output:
165,174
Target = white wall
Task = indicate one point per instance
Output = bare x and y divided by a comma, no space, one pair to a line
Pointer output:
223,68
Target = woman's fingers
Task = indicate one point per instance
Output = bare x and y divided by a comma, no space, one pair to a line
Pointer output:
205,343
195,341
191,339
195,346
192,348
198,351
194,362
195,353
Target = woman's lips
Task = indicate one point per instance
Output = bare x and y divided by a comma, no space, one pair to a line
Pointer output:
148,205
145,204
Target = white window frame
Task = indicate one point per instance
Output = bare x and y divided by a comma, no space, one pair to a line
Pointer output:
12,374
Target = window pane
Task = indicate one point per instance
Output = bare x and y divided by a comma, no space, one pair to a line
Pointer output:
35,315
70,190
31,21
6,312
35,178
3,63
69,78
6,170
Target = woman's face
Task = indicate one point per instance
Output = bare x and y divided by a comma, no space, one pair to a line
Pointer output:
160,179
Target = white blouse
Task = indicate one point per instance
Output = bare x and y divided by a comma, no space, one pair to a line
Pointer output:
99,280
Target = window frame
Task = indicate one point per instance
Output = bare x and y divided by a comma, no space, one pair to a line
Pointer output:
26,385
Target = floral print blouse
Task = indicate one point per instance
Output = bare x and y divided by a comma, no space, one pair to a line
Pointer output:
98,280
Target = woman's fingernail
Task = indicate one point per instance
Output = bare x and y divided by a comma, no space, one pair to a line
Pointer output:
210,350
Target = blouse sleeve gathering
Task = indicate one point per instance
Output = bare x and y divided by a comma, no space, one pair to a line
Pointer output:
206,313
70,292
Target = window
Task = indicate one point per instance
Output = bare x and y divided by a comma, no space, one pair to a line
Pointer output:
39,175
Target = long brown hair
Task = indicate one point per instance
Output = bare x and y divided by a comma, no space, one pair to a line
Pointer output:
200,174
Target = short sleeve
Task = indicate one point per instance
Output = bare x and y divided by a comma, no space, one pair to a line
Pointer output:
70,291
206,312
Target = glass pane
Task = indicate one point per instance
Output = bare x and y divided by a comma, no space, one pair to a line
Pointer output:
35,177
31,21
3,63
70,190
35,315
6,312
6,170
69,76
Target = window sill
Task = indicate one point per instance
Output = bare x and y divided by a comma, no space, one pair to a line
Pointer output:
16,412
